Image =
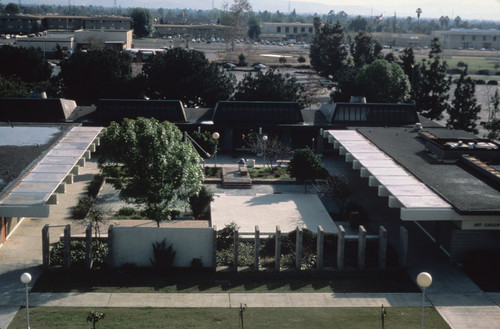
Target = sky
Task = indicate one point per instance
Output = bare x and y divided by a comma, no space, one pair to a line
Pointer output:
466,9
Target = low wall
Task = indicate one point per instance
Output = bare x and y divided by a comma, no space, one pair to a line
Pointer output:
133,245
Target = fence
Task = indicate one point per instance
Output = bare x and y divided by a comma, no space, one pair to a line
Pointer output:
134,246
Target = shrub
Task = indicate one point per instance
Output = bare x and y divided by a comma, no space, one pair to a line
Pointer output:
483,72
301,59
163,256
81,210
126,211
492,83
305,165
200,204
95,185
77,253
225,257
480,82
225,236
214,172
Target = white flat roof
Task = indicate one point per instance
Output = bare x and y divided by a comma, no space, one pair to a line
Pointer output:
417,201
31,195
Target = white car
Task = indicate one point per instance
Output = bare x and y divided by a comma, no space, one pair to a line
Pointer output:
259,67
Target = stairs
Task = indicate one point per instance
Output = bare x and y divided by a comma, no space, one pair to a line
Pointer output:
232,178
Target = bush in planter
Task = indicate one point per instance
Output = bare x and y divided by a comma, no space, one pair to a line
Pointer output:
201,203
82,208
305,165
163,256
95,185
77,254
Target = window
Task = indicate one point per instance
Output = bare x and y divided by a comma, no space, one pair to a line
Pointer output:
287,29
473,38
495,38
310,30
294,30
278,29
463,37
484,38
302,29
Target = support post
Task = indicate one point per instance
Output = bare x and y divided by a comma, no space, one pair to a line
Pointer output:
277,249
257,247
403,244
235,255
214,251
45,246
340,247
361,247
110,246
298,249
320,238
67,246
88,247
382,247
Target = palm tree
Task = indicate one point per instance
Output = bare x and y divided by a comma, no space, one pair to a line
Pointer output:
419,11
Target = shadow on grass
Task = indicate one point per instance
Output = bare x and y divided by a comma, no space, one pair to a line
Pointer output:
199,281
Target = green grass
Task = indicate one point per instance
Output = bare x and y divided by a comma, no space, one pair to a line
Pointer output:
135,280
475,63
352,318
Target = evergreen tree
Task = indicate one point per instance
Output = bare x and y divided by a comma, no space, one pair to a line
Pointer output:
464,110
431,85
407,63
365,49
493,124
328,53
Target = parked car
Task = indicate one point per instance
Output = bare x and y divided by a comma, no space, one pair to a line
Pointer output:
229,66
259,66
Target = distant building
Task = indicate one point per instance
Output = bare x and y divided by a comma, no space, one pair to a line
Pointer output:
48,42
26,24
205,31
114,39
286,31
469,39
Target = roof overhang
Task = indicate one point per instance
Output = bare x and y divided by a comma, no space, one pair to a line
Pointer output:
405,191
38,189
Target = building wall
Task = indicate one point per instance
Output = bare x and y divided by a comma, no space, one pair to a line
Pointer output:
287,31
463,242
83,36
133,245
469,39
206,31
24,24
48,43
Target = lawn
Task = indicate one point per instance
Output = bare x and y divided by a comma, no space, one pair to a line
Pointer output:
268,173
135,280
352,318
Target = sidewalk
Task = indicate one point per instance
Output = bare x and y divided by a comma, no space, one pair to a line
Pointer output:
459,301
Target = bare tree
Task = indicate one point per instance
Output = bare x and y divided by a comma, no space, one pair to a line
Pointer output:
337,187
272,149
238,10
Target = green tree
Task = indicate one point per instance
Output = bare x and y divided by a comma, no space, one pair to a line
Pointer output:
187,75
444,21
305,165
407,63
269,86
419,12
358,24
365,49
458,21
142,22
383,82
254,29
327,53
301,59
28,64
13,87
88,76
151,166
493,124
431,85
464,109
204,143
11,9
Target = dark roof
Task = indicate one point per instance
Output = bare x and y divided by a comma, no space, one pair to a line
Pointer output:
117,109
257,113
465,189
378,114
35,109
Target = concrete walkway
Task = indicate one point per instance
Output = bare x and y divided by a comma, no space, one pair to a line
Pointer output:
459,301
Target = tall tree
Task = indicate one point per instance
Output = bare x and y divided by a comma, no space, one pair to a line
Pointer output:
358,24
269,86
464,110
253,28
235,14
419,12
407,62
493,124
151,166
187,75
383,82
458,21
28,64
432,85
142,22
444,21
365,49
11,9
328,53
88,76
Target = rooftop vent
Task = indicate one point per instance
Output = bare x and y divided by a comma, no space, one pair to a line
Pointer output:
38,94
358,99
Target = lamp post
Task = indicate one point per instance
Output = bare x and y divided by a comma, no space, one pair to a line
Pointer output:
215,136
26,279
424,280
